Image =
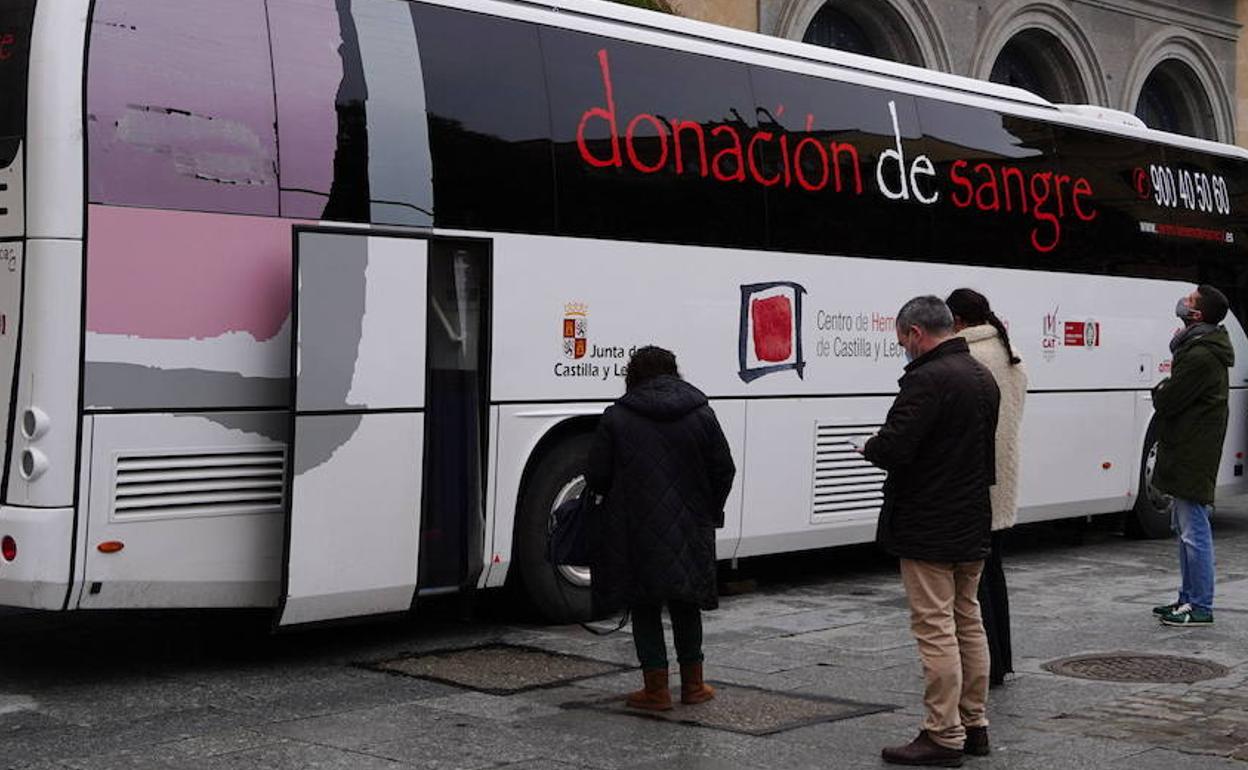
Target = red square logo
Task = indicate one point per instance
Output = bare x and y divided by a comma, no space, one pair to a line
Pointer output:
773,329
569,327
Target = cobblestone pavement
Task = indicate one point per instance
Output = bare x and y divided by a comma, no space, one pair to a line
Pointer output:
215,690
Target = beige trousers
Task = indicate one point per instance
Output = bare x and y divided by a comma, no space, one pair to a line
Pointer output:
945,621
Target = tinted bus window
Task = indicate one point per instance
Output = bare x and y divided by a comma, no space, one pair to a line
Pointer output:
15,21
650,143
1207,200
841,167
1003,201
180,106
351,112
1109,238
489,127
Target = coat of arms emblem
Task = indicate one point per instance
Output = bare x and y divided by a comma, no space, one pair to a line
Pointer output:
575,323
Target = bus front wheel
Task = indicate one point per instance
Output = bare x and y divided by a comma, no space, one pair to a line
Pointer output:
1150,518
560,592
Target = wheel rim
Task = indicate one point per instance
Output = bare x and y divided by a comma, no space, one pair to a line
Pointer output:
575,574
1157,500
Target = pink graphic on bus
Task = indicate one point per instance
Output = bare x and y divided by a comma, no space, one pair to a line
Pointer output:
184,275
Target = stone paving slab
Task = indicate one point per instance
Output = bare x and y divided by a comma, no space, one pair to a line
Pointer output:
747,710
1208,722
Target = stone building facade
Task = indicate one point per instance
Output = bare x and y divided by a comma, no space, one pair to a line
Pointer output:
1175,63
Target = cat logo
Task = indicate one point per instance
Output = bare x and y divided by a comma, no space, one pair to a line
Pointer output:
1049,338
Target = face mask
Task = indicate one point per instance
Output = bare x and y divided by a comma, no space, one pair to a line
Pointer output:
1184,312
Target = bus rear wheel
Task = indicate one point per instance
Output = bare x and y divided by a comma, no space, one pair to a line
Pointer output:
560,593
1150,518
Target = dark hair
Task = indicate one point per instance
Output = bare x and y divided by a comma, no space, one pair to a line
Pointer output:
926,312
972,308
1211,303
649,362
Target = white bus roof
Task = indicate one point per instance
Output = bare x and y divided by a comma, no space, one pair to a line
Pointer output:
855,67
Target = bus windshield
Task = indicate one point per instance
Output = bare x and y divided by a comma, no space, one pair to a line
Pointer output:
15,23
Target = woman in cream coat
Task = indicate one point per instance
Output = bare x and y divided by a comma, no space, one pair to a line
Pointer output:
989,341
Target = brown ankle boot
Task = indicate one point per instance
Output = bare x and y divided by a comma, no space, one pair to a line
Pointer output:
692,688
655,696
923,751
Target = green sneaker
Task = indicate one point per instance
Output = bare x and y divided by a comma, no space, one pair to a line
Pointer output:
1166,609
1187,615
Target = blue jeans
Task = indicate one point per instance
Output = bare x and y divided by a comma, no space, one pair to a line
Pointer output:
1190,521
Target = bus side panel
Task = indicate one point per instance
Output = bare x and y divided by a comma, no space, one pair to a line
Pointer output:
1092,346
805,487
1231,476
186,310
1080,449
197,503
42,470
732,418
37,577
520,431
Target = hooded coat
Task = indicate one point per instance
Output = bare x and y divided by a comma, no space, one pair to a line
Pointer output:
1191,414
664,468
938,446
1011,379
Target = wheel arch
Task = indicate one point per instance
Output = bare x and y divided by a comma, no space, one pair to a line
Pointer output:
553,437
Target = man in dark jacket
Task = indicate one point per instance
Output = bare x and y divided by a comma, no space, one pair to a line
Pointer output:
1191,413
938,446
664,468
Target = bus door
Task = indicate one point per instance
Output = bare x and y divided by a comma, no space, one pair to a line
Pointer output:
390,415
358,434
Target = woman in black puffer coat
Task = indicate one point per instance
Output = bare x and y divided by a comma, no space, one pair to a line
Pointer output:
664,468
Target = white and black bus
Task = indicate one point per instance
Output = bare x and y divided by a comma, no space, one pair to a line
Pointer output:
313,304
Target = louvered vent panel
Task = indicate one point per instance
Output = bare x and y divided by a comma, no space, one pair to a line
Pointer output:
845,483
210,483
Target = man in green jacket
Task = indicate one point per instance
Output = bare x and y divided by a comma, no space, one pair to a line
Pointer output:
1191,414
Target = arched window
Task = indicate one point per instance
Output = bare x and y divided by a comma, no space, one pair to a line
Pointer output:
1174,100
1037,61
832,28
868,27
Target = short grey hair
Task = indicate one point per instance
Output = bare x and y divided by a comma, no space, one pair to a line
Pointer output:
929,313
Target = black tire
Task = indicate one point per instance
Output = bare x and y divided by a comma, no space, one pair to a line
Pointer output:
553,593
1150,518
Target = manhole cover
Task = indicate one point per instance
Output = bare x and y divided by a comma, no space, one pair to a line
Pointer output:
747,710
499,669
1137,667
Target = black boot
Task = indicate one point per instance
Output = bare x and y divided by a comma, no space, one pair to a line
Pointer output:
977,742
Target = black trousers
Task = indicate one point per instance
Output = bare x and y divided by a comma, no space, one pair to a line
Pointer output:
648,634
994,605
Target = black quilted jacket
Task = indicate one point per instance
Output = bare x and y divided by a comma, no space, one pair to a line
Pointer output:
664,467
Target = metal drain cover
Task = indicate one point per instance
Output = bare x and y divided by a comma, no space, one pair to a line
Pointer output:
1137,667
498,669
747,710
